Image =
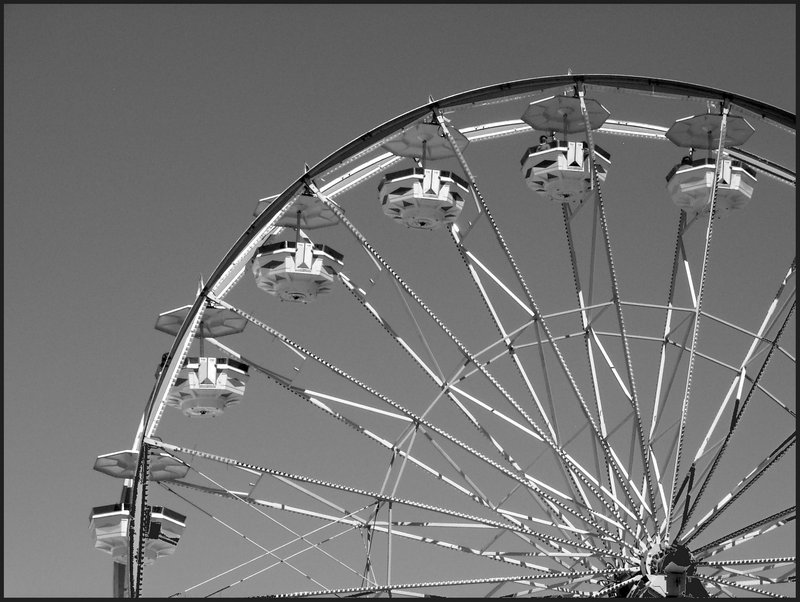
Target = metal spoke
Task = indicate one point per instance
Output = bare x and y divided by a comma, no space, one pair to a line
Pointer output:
747,533
696,325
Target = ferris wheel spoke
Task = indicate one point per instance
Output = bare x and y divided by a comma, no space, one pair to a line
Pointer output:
762,563
765,563
569,586
721,590
632,393
662,392
489,554
756,575
456,582
698,299
699,476
595,337
741,586
659,485
673,444
746,534
657,405
586,336
777,401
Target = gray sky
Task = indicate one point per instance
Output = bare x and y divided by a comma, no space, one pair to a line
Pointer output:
138,139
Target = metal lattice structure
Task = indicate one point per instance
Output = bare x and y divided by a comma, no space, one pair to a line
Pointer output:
585,394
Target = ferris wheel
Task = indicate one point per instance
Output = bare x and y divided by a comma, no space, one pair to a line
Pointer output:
533,339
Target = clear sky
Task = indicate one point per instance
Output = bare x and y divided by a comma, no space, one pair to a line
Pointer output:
138,139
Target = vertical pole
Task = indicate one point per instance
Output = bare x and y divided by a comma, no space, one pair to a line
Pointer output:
120,580
389,549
